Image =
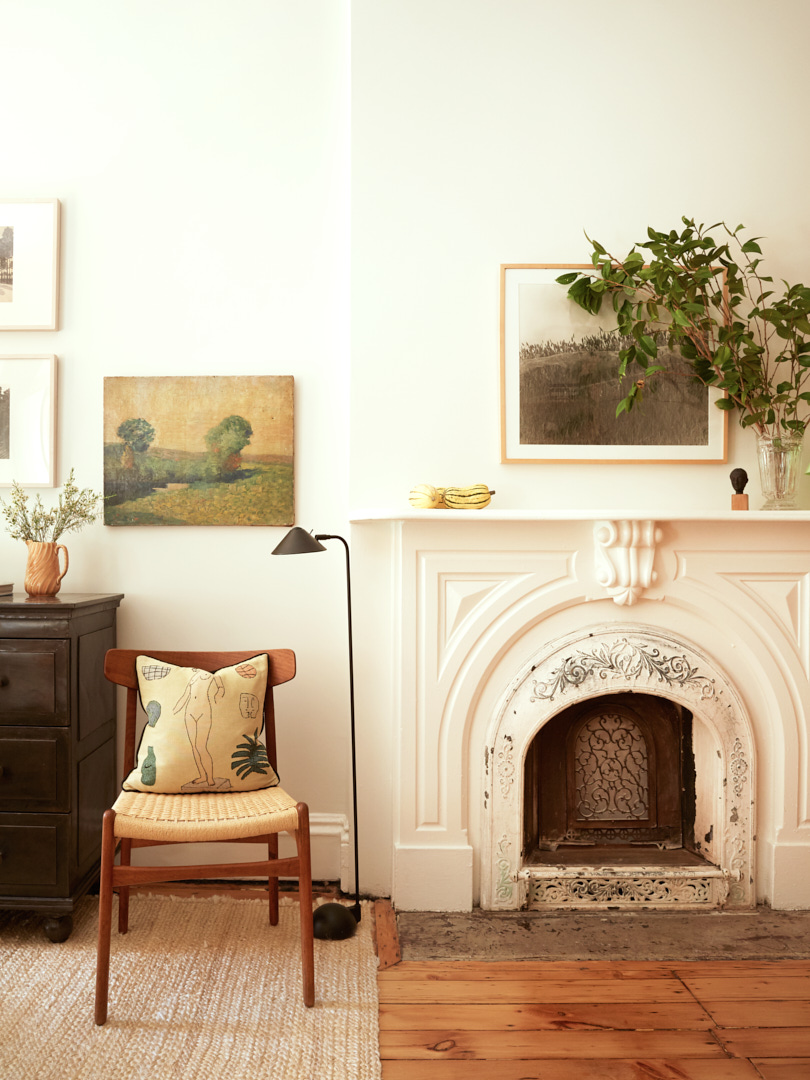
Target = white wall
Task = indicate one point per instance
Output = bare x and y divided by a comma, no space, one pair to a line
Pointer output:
199,150
487,133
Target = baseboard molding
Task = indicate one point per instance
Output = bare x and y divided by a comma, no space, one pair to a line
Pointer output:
335,825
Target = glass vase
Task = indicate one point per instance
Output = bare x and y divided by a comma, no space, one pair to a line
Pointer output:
779,457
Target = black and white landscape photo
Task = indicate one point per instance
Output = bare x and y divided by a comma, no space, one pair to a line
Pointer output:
6,264
569,385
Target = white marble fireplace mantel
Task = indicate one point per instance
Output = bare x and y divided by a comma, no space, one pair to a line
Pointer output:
489,513
479,597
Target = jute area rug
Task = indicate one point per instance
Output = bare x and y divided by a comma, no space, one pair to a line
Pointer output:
200,989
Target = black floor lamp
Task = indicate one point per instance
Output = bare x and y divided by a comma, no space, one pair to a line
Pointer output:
333,921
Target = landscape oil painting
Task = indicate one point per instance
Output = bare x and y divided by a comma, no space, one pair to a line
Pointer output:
199,450
560,385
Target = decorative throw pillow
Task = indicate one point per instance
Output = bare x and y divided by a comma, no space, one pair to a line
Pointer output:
202,728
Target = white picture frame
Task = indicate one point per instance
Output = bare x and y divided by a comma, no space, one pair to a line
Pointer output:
536,314
28,420
29,264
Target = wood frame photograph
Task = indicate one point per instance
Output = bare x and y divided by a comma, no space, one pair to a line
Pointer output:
28,420
560,385
29,264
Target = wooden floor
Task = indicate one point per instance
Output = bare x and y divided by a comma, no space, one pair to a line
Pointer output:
569,1020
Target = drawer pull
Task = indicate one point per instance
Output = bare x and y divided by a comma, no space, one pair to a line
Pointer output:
1,771
3,680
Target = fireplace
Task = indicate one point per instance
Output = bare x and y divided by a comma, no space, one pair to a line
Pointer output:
593,713
636,779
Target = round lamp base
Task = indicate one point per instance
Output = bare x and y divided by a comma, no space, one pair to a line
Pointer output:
333,922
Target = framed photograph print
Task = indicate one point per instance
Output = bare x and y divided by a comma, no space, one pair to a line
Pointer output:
27,420
29,264
560,385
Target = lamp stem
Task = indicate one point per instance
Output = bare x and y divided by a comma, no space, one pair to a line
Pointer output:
324,536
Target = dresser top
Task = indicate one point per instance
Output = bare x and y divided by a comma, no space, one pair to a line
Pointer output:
20,601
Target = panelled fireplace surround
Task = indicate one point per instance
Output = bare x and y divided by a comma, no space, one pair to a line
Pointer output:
599,711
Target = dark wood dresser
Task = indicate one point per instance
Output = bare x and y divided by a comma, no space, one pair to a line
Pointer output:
57,750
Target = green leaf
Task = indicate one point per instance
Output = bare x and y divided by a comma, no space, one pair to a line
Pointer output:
726,404
750,247
679,318
567,279
648,345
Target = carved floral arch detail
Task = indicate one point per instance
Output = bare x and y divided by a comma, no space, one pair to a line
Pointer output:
589,664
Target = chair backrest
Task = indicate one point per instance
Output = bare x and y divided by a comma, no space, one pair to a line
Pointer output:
119,668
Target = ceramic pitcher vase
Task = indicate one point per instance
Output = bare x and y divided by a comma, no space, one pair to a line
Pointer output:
42,576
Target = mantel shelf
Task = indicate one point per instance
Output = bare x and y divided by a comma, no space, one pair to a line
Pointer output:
492,516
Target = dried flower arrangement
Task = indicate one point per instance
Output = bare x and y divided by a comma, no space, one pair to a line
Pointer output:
74,510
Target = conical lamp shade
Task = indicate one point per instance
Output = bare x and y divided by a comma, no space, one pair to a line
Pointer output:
298,542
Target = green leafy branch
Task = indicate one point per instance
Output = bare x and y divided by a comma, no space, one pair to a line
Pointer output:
718,309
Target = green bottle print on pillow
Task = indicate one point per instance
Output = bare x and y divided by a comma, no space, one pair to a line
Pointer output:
149,769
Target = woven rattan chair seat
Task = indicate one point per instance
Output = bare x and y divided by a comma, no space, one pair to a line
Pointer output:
211,816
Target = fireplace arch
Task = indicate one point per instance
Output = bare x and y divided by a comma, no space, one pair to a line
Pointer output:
580,668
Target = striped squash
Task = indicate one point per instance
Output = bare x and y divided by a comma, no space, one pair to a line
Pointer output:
468,498
426,497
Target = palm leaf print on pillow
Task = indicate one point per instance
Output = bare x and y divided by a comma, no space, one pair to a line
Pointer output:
250,756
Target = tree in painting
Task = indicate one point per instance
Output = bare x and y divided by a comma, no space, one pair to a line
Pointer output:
225,443
137,435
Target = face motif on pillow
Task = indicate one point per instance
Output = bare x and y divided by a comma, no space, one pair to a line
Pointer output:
202,729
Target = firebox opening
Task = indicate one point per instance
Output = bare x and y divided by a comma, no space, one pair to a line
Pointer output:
613,781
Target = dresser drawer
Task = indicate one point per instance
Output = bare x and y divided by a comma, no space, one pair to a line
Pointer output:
34,770
32,855
34,682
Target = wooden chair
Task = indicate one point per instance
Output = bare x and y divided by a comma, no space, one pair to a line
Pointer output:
144,820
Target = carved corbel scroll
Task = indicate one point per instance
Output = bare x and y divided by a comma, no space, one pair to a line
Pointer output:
624,552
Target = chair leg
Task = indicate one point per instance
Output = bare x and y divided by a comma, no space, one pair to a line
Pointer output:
104,915
272,882
305,903
123,890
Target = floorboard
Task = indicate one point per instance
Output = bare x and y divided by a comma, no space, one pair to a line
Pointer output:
501,1046
557,1017
757,1014
386,939
774,988
536,988
595,1020
784,1069
579,1069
